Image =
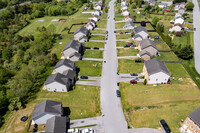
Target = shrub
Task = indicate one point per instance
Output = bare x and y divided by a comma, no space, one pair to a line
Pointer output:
145,82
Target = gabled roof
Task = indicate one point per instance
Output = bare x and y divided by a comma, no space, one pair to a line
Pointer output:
60,78
147,43
144,52
129,23
73,44
83,37
154,66
70,74
83,30
47,106
179,17
65,62
56,124
180,25
195,116
139,29
75,54
137,35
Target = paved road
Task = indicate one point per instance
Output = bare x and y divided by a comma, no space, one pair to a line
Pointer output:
96,49
88,83
127,57
113,121
93,59
196,23
145,130
19,4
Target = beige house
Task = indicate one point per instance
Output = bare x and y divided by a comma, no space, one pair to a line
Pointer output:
155,72
80,32
191,123
140,33
176,28
145,55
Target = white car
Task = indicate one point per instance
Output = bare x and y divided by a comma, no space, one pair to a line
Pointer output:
87,130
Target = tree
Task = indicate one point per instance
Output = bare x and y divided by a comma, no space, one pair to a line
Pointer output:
155,20
143,23
186,52
145,82
106,9
6,54
189,6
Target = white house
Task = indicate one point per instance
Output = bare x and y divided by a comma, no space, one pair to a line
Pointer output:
125,13
124,8
95,18
96,13
155,72
179,20
181,11
123,3
162,5
46,110
64,65
82,31
128,18
89,26
129,25
176,28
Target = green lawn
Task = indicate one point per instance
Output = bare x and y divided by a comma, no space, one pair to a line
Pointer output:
83,99
148,104
122,43
123,36
119,25
147,27
98,31
89,68
129,66
177,70
184,40
127,52
119,18
94,44
167,56
103,16
93,54
162,46
101,24
97,37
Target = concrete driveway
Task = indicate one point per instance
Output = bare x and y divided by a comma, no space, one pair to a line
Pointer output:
93,59
146,130
96,40
88,83
127,57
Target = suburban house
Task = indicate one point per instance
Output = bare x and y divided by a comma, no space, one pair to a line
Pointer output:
148,46
46,110
162,5
58,83
97,7
123,3
95,18
125,12
71,48
167,3
128,18
145,55
155,72
89,26
179,5
177,15
179,20
56,124
192,122
64,65
140,33
71,74
80,32
75,56
96,12
124,8
181,11
151,2
176,28
92,22
129,25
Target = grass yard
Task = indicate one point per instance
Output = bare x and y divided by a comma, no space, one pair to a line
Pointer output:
127,52
147,27
98,31
129,66
94,44
170,102
119,25
83,99
123,36
119,18
184,40
103,16
89,68
101,24
177,70
122,43
162,46
167,56
97,37
93,54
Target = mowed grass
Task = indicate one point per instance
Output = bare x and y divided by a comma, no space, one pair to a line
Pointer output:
89,68
187,39
129,66
167,56
127,52
177,70
101,24
94,44
123,36
83,99
119,25
97,37
119,18
162,46
148,104
93,54
122,43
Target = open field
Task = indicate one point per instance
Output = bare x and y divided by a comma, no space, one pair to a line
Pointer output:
83,99
127,52
184,40
94,44
93,54
101,24
129,66
97,37
167,56
170,102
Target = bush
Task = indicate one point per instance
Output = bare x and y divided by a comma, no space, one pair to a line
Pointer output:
155,20
189,6
186,52
145,82
143,23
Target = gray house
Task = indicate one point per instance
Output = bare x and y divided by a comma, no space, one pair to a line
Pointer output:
181,11
80,32
75,56
145,55
140,33
64,65
72,47
46,110
58,83
56,124
70,74
129,25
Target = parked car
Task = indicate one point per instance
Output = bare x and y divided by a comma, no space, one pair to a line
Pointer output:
133,81
165,126
138,61
84,77
126,46
133,10
133,46
95,48
156,37
87,48
118,93
133,74
24,118
121,33
187,17
130,44
106,32
194,29
189,21
114,31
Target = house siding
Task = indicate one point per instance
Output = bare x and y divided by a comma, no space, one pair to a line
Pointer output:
146,57
186,126
68,52
143,34
159,78
74,58
63,68
58,87
78,35
151,50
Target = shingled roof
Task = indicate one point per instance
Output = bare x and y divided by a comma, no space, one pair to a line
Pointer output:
56,124
47,106
73,44
154,66
129,23
195,116
75,54
83,30
139,29
143,52
70,74
147,43
60,78
65,62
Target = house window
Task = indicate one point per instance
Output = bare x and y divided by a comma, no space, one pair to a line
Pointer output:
196,131
156,79
190,119
48,88
191,127
187,122
62,89
199,128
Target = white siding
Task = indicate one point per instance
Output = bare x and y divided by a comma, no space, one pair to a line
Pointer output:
62,68
68,52
58,87
78,35
159,77
143,34
44,117
74,58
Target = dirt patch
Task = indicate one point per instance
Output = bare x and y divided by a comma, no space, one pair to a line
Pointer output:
62,20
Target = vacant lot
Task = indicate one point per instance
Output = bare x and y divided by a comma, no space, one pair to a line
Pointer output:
94,44
187,39
101,24
147,105
93,54
129,66
97,37
83,102
127,52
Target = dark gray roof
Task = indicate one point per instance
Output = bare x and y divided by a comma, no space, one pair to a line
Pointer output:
65,62
179,17
56,124
60,78
129,23
73,44
70,74
139,29
147,43
75,54
195,116
47,106
143,52
154,65
137,35
83,30
83,37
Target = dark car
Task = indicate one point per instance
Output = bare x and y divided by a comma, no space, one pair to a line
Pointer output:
133,46
121,33
156,37
126,46
138,61
84,77
189,21
165,126
134,74
114,31
24,118
87,48
130,44
118,93
194,29
106,32
133,82
95,48
133,10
